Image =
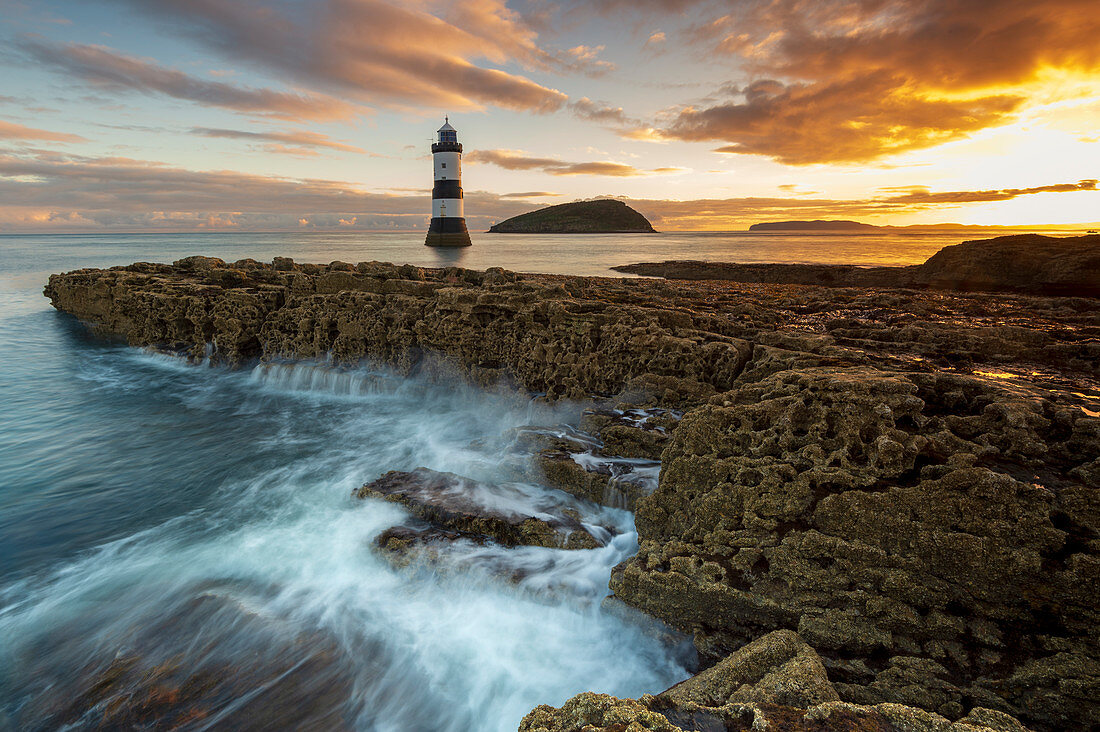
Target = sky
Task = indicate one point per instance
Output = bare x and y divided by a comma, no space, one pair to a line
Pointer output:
188,115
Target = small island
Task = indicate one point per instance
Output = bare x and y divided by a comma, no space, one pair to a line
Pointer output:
603,216
817,225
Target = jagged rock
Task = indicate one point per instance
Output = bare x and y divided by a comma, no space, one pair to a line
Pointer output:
778,668
775,683
454,503
919,518
589,712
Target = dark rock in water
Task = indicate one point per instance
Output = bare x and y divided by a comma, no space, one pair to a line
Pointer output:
603,216
777,682
1024,263
405,543
452,502
609,481
209,661
632,433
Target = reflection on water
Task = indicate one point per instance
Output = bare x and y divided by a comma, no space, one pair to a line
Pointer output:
590,254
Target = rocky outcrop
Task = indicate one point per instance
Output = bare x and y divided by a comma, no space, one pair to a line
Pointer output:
908,480
463,506
487,326
1026,263
933,536
602,216
777,682
1023,263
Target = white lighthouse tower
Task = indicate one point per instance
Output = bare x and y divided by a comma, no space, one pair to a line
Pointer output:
448,227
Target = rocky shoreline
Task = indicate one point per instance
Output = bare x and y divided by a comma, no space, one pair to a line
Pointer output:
1023,263
892,493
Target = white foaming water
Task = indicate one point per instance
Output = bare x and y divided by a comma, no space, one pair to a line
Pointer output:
270,583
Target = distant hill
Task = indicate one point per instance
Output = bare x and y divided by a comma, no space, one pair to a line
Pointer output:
812,226
604,216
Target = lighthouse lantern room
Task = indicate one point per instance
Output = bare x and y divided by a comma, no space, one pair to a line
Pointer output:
448,227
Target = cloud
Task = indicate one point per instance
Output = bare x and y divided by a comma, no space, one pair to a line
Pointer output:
922,196
51,190
588,59
376,52
516,160
729,213
656,40
855,80
61,191
602,112
108,69
298,139
12,131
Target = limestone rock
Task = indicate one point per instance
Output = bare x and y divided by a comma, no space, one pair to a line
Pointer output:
909,518
778,668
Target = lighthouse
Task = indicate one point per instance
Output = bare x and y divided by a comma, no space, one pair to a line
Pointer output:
448,227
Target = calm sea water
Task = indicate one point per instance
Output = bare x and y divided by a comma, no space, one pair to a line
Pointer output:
193,527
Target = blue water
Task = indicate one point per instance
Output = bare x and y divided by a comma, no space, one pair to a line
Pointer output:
191,522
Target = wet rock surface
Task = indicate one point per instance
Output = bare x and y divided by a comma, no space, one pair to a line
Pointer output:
907,480
457,504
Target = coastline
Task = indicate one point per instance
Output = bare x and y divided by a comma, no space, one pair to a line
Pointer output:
825,433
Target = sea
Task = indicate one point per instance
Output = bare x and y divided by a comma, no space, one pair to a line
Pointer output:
179,544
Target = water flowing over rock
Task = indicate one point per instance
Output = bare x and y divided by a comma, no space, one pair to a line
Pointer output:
461,505
904,486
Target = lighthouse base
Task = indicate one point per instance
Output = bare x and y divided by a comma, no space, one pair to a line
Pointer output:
448,240
448,232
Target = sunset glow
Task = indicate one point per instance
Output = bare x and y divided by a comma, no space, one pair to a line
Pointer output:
316,114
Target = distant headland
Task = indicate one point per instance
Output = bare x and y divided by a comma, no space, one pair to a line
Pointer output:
817,225
603,216
846,226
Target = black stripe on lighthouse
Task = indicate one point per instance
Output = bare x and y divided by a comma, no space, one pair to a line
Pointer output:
447,189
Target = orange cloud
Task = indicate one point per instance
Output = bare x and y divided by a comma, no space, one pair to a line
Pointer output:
385,53
12,131
298,139
854,80
729,213
514,160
